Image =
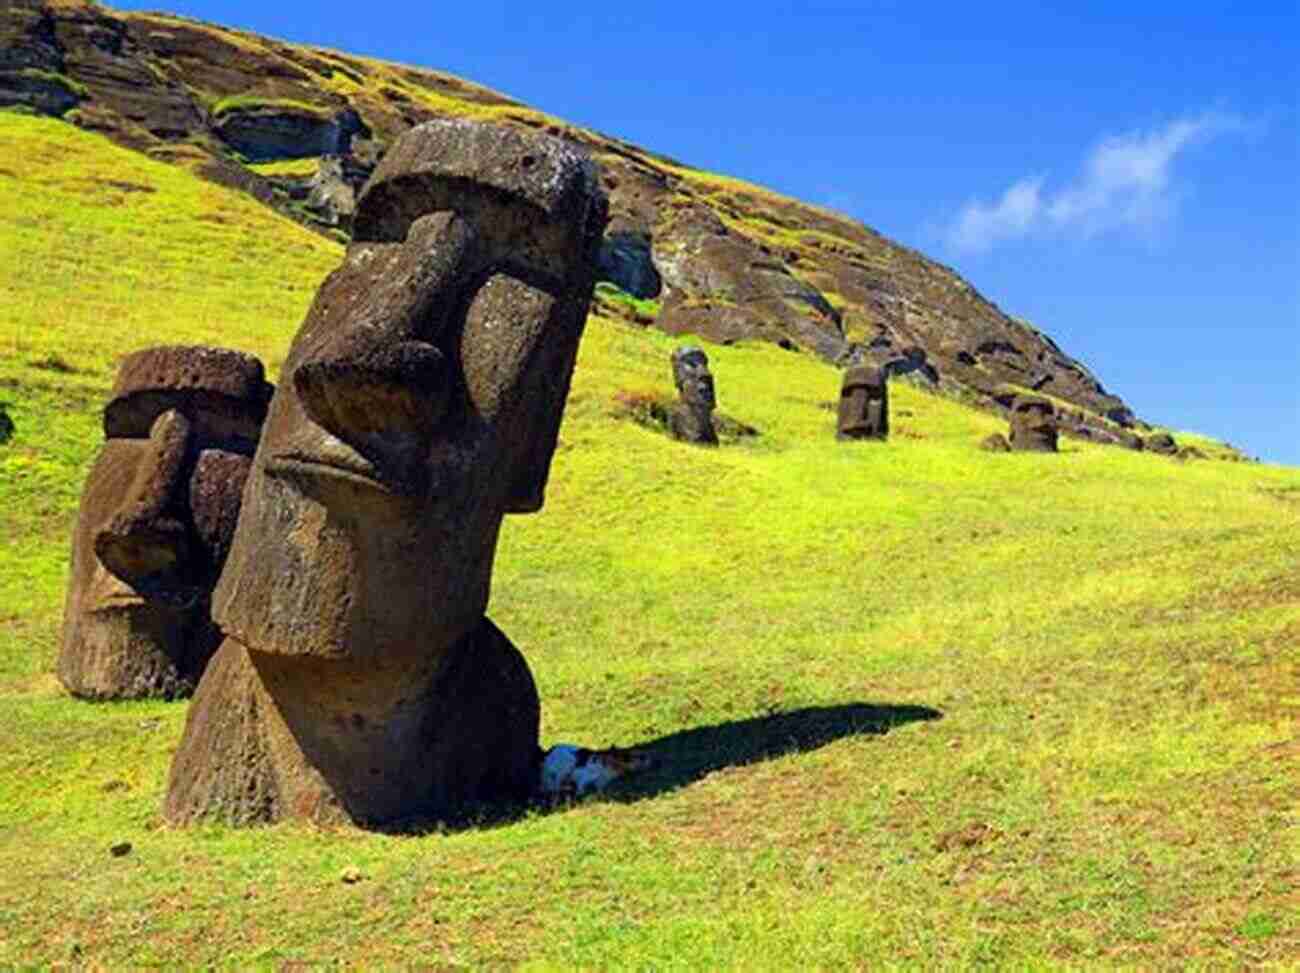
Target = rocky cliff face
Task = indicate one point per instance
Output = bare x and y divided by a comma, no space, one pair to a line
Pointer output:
302,127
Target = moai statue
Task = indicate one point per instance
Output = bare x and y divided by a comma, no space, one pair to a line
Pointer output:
691,419
864,404
1033,425
157,516
421,401
1162,444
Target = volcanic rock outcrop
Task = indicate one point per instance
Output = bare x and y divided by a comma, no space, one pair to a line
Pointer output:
724,259
157,516
691,418
864,404
1033,425
359,679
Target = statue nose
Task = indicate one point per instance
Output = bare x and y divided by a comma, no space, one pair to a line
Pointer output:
386,403
376,383
142,543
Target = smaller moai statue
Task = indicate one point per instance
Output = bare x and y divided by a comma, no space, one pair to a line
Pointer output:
1033,425
1162,444
691,419
157,516
864,404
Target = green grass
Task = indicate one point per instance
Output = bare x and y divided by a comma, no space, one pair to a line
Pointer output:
225,106
635,306
287,167
71,86
1110,638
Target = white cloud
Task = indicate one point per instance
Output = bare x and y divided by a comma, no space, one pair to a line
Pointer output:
1124,184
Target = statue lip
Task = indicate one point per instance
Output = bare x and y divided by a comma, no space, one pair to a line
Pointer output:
354,469
118,602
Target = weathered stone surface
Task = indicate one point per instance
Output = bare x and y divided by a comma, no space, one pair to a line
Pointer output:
1033,425
1162,444
734,262
691,418
274,749
995,443
47,94
725,287
157,515
421,403
270,132
1130,440
626,260
331,196
864,404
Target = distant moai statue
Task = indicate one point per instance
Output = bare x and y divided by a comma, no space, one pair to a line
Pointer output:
691,419
864,404
1162,444
157,515
1033,425
360,679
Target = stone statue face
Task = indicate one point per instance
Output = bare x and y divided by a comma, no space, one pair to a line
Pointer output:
693,379
1033,424
420,401
157,516
1034,414
863,409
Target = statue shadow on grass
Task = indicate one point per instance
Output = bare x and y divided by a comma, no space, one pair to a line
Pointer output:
690,755
687,756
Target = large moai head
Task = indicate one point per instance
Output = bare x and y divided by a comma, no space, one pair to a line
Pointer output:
157,516
420,403
864,404
1033,425
692,419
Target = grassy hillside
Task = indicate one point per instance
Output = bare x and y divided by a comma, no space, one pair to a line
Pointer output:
1108,640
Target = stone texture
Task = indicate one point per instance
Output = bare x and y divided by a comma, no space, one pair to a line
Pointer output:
864,404
691,418
331,195
157,515
1033,425
421,403
733,261
1162,444
626,260
270,132
995,443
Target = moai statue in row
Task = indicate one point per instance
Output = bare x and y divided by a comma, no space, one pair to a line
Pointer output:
864,404
157,516
359,679
1033,425
691,419
1162,444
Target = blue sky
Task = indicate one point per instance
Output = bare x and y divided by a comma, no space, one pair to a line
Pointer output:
1123,175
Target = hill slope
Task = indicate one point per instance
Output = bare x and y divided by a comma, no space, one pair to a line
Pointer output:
719,257
1107,639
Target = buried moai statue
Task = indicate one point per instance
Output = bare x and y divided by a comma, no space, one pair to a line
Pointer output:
157,515
864,404
421,401
691,418
1033,425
